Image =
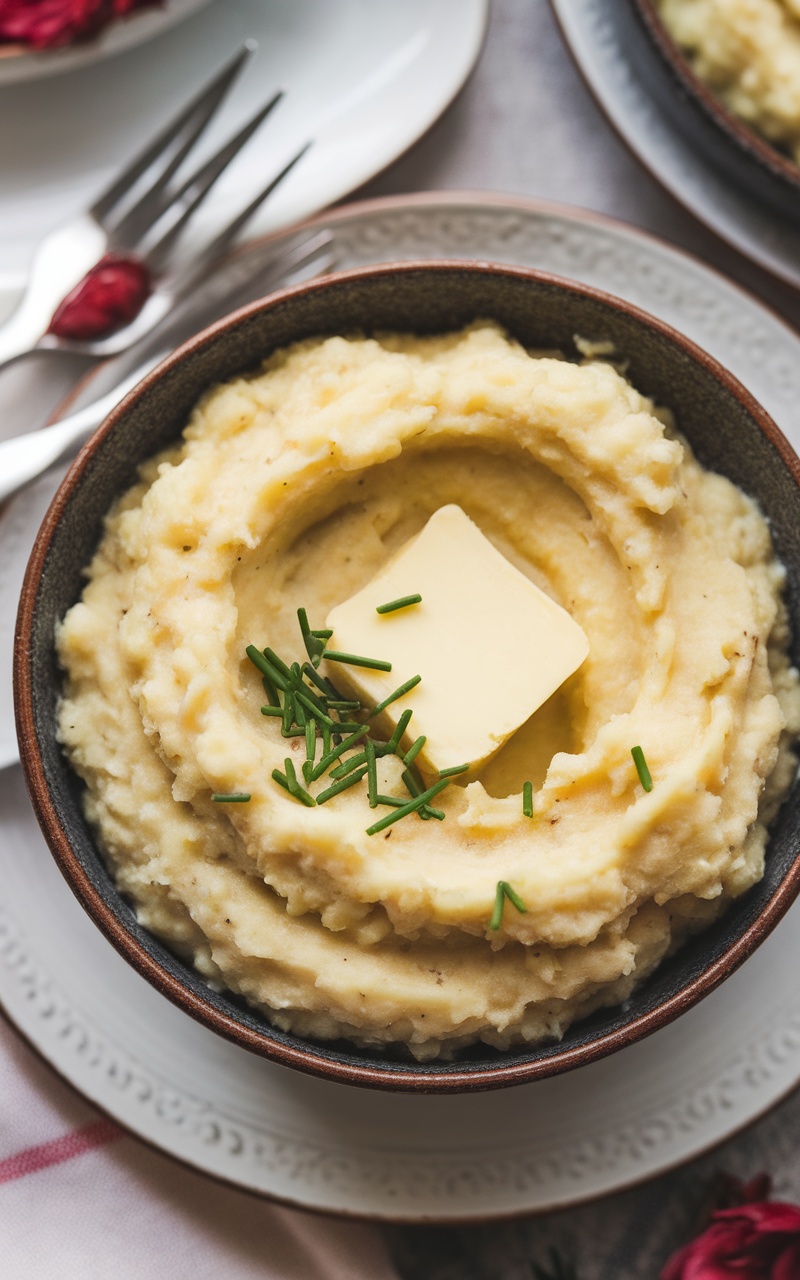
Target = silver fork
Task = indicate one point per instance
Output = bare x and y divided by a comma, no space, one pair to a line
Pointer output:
140,215
242,278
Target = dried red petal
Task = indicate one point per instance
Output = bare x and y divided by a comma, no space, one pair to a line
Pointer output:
45,24
755,1241
108,297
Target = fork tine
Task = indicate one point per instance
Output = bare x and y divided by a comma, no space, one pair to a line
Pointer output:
174,142
195,189
221,243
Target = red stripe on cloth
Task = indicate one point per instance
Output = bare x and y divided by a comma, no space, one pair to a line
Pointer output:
60,1149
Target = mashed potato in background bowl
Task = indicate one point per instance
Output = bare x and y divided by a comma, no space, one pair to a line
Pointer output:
292,488
725,72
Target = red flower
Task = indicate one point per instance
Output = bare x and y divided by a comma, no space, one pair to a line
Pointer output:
43,24
749,1242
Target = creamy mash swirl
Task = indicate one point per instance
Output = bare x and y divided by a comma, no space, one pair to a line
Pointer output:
748,51
293,488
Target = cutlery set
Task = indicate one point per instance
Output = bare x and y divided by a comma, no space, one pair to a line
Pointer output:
113,280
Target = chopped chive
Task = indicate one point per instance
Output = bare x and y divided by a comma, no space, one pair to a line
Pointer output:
499,903
311,704
451,773
281,779
334,753
277,663
315,646
294,787
323,633
399,730
413,780
288,714
372,773
390,800
411,777
272,711
439,814
641,768
414,749
402,602
268,671
527,799
326,739
355,660
308,769
299,714
349,781
270,691
344,704
311,740
347,766
411,807
504,891
398,693
514,898
233,797
415,787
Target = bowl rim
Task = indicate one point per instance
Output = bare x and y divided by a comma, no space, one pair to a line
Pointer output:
746,139
394,1077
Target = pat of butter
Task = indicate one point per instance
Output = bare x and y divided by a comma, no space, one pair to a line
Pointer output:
489,645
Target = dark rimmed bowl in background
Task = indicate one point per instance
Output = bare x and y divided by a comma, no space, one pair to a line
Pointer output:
730,433
727,142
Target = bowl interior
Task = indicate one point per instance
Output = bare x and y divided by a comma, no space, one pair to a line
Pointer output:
728,432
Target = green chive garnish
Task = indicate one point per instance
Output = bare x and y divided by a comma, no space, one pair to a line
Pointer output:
349,781
348,765
401,603
355,660
372,773
326,739
308,701
315,647
527,799
414,750
641,768
277,663
272,711
398,693
235,797
311,740
294,787
334,753
268,671
390,800
399,730
504,891
411,807
288,714
451,773
323,633
344,704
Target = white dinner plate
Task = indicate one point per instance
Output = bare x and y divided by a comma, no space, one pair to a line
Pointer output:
125,33
594,33
363,79
330,1147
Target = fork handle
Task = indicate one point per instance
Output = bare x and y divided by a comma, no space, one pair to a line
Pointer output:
24,458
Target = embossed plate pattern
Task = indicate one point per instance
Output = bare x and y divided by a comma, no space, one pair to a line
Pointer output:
329,1147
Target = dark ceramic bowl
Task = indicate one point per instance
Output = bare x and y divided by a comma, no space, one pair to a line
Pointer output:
753,163
729,432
